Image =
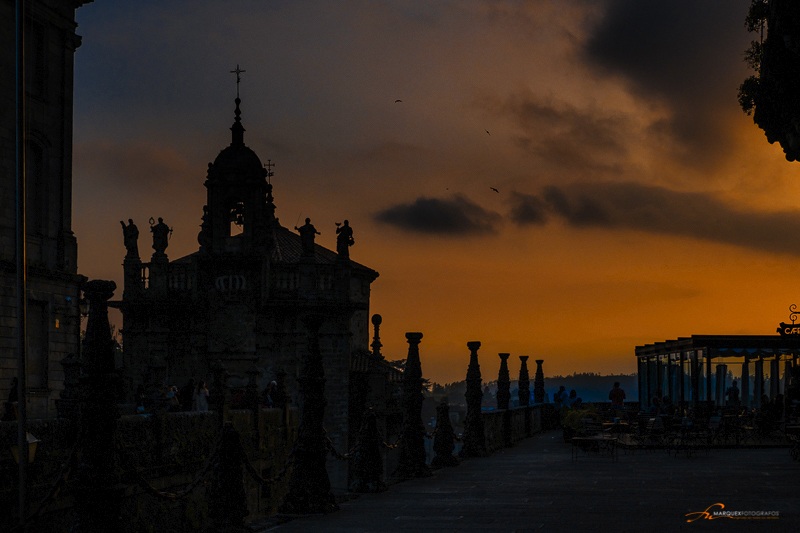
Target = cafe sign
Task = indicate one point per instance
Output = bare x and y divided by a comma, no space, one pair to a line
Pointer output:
790,330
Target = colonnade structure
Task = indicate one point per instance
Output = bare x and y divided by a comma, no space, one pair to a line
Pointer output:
700,368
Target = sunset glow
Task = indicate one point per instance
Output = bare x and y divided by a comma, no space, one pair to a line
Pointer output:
635,201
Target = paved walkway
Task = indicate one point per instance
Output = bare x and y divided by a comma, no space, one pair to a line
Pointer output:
536,486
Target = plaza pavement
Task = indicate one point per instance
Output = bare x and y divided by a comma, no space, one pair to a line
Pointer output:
536,486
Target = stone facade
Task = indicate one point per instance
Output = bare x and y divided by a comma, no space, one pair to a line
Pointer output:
52,280
242,296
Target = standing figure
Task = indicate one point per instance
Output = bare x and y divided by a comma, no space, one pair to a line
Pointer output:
130,234
307,234
344,239
160,236
617,396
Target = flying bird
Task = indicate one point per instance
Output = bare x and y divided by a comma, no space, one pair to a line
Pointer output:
487,132
396,101
495,190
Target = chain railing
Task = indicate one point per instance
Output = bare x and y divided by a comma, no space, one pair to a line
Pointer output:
55,487
129,467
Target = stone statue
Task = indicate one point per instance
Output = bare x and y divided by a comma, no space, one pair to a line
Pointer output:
307,234
131,235
204,237
344,239
161,234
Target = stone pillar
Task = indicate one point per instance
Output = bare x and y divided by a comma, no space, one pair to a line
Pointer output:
412,444
444,441
98,495
758,386
538,383
525,393
228,502
368,461
504,396
310,487
474,436
503,383
132,268
524,382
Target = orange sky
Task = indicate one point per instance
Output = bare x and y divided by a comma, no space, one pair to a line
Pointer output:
636,201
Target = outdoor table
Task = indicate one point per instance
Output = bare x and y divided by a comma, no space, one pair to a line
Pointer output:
602,444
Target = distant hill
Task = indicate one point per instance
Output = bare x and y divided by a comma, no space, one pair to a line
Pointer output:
590,387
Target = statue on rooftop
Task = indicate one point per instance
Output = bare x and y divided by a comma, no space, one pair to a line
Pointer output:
344,239
161,233
130,234
204,237
307,234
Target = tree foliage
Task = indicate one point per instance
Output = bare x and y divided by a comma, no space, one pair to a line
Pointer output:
770,95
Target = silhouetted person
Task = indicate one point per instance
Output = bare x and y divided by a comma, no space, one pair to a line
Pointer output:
655,407
617,396
733,394
130,234
269,394
160,236
560,397
201,395
344,239
307,234
572,398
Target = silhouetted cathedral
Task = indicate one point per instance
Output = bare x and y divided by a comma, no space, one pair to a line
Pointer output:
240,298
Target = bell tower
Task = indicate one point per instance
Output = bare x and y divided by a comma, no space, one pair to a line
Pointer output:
239,208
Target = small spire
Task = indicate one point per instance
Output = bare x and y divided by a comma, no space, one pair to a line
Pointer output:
238,130
237,137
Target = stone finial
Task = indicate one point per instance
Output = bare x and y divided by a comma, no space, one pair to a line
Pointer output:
376,339
503,383
474,435
538,383
412,444
524,382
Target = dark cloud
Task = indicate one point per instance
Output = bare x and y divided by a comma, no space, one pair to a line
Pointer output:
657,210
564,135
527,209
685,53
450,216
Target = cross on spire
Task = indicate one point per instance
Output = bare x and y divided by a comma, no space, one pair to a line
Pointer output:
269,166
238,73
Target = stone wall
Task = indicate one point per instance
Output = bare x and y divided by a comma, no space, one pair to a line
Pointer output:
169,451
493,423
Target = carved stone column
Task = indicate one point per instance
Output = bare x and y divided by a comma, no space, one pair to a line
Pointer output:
444,441
503,383
310,486
368,462
228,501
412,444
99,493
504,396
474,435
525,393
524,382
538,383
